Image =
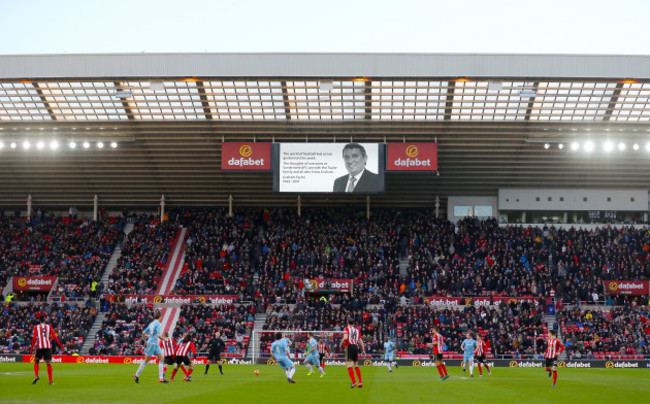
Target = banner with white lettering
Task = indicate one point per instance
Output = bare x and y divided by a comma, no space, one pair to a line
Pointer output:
412,157
321,285
476,301
33,283
627,287
246,156
185,299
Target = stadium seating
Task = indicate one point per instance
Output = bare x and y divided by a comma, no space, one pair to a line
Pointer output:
234,322
74,250
70,322
622,333
144,254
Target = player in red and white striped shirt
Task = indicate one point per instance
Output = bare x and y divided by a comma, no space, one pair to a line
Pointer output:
480,352
438,348
43,333
183,357
168,347
351,341
553,348
323,351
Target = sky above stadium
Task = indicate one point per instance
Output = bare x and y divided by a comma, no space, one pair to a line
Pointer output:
433,26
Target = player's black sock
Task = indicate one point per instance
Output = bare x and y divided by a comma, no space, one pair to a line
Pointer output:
220,369
206,369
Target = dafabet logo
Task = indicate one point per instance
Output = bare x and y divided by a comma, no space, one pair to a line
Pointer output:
246,156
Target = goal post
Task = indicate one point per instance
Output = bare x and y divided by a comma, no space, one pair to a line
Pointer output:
261,342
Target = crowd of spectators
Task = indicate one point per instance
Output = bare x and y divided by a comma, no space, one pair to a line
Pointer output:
623,332
513,329
269,254
267,258
480,258
144,255
74,250
69,321
121,330
234,322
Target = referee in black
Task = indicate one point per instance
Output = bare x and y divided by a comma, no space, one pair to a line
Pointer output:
214,355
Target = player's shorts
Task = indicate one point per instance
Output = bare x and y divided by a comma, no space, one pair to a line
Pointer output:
169,360
313,358
468,358
285,363
152,350
480,359
321,357
214,357
388,357
551,362
44,353
352,353
183,360
437,356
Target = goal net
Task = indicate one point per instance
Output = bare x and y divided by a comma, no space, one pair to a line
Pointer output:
262,340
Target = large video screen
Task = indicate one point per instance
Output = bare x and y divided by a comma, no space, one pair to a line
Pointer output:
356,168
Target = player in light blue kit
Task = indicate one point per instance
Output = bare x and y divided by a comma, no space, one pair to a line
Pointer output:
468,346
280,352
154,332
311,355
389,348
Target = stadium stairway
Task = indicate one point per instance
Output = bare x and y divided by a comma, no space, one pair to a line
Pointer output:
404,267
550,321
174,263
260,319
90,338
117,253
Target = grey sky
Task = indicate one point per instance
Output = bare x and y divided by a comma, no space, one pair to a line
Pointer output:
454,26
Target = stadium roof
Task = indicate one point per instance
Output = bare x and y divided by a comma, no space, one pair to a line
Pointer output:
491,115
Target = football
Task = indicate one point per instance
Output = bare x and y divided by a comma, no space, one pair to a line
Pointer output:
257,372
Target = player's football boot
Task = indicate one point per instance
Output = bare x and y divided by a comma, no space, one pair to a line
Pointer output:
52,384
291,381
360,385
353,385
136,379
322,375
553,384
163,381
36,379
187,378
445,377
310,372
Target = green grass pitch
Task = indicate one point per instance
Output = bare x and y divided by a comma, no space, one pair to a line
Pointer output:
114,384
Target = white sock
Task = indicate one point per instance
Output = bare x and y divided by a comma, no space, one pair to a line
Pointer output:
286,372
161,371
291,372
388,364
142,365
309,367
471,370
321,370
